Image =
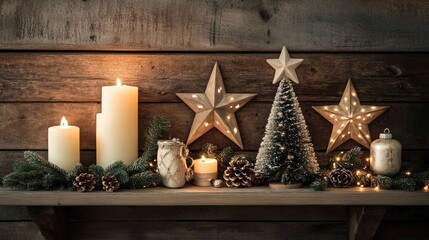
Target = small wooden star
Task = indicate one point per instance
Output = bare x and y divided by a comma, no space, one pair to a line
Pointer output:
285,66
350,119
215,108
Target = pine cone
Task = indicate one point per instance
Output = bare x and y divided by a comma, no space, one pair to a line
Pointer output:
239,173
341,177
110,183
85,182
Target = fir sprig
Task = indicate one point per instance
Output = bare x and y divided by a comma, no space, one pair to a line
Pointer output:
159,125
140,174
117,169
144,179
351,159
35,173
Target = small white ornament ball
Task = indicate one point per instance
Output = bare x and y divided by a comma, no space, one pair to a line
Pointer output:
218,183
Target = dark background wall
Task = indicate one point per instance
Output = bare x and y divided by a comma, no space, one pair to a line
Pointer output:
56,55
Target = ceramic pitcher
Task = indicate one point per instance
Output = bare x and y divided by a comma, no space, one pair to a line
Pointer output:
171,160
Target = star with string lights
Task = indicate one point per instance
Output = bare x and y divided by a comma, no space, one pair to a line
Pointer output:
215,109
350,119
285,66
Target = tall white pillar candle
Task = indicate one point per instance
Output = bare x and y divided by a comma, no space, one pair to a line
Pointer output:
117,125
63,145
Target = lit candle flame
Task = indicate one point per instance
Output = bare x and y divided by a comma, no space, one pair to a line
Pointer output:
64,122
203,158
118,82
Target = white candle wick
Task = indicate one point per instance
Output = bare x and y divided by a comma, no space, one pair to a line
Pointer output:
118,82
64,122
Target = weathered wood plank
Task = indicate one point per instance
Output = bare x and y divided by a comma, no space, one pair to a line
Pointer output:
364,221
208,230
19,230
79,77
399,230
8,213
210,196
402,213
52,221
215,25
209,213
24,125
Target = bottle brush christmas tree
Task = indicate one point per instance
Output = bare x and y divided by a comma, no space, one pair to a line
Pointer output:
286,153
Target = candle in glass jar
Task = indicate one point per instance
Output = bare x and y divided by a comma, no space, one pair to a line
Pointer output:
63,145
117,125
205,170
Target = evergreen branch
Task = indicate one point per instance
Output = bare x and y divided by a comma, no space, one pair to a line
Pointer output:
144,180
383,182
422,178
98,172
405,183
157,127
319,184
35,173
351,159
118,170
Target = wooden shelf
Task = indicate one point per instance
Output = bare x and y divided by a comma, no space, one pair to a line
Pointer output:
206,196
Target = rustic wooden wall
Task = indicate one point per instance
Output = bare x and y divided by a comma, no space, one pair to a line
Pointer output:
55,56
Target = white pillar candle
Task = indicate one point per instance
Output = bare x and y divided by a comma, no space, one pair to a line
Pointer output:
205,169
117,125
63,145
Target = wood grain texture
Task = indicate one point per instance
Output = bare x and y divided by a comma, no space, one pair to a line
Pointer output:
19,230
67,77
400,230
10,213
364,221
24,125
208,196
267,25
406,213
208,230
52,221
209,213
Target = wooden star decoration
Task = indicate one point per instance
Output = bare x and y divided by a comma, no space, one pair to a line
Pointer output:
350,119
215,108
285,66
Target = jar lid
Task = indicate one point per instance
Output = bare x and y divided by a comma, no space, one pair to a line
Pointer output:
386,134
173,142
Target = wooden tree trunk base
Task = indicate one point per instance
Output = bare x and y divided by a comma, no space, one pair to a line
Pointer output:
279,185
